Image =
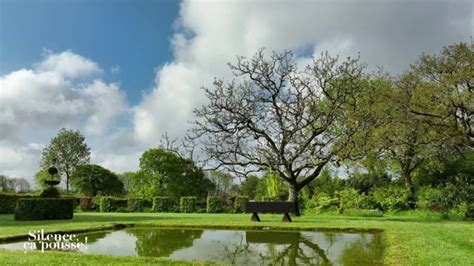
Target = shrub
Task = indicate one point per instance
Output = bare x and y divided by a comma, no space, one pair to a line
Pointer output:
85,203
320,202
137,204
391,198
240,202
363,212
50,192
187,204
96,202
431,199
8,202
112,204
469,214
351,199
163,204
214,204
44,209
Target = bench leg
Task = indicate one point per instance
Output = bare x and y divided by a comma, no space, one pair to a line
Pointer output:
255,217
286,218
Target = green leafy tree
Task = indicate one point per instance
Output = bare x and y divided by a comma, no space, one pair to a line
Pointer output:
446,96
66,152
41,176
91,180
271,187
146,185
171,175
125,178
248,187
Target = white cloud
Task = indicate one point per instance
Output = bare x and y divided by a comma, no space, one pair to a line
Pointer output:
67,64
391,34
66,90
36,102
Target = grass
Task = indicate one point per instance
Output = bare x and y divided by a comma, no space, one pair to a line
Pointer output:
409,238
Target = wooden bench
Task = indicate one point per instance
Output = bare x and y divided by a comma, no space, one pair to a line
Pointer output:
270,207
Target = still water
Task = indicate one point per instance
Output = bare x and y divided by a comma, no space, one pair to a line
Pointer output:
239,247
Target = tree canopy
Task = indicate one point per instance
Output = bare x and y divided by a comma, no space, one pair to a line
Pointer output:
165,173
91,180
274,117
66,152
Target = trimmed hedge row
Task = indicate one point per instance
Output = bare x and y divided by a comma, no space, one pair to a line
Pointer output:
163,204
44,209
240,202
137,204
112,204
8,202
214,204
187,204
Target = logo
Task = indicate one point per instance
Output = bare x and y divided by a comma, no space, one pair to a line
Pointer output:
38,240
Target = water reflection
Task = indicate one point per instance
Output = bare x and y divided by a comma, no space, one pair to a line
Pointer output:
237,247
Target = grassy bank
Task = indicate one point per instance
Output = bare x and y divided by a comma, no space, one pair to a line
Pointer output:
409,239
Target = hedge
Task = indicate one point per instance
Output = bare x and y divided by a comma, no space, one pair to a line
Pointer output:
112,204
214,204
8,202
163,204
50,192
44,209
187,204
240,202
137,204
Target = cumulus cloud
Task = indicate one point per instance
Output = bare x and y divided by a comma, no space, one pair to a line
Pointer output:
66,90
67,64
48,97
391,34
36,102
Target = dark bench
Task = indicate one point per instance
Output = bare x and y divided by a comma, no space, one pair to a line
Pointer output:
270,207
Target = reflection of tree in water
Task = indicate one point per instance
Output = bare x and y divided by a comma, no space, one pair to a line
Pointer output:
365,251
163,242
281,248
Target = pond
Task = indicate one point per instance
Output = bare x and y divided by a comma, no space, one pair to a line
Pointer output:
241,247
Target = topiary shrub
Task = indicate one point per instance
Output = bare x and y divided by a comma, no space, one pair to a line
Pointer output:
85,203
50,192
187,204
112,204
44,209
137,204
163,204
8,202
214,204
240,202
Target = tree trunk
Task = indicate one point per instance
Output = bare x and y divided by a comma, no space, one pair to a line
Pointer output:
294,197
67,183
411,189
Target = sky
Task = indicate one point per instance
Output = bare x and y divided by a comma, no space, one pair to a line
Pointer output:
126,72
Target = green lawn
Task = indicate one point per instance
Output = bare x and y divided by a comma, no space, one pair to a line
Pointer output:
409,240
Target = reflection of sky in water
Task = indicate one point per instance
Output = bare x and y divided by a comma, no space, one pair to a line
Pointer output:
115,243
227,246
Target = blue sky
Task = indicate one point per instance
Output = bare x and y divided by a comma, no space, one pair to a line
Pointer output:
131,34
125,72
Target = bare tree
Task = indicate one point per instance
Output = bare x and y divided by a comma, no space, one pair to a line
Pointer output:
274,116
